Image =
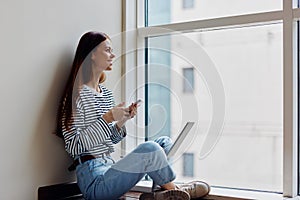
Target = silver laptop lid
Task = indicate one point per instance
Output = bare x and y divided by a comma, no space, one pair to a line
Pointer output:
179,141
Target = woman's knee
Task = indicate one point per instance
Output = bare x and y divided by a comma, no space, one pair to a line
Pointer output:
164,141
148,146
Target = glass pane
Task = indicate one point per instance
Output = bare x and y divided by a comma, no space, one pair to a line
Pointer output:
298,55
245,64
173,11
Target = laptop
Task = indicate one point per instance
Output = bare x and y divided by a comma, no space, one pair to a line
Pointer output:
179,140
146,185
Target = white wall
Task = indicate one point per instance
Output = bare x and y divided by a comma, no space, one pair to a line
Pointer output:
37,43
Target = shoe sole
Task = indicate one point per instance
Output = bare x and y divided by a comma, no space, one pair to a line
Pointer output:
166,195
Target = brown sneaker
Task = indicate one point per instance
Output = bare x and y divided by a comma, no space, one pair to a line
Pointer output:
196,189
166,195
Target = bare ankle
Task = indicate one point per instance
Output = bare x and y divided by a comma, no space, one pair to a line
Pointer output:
169,186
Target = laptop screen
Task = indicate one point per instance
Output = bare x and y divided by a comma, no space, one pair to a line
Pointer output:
179,140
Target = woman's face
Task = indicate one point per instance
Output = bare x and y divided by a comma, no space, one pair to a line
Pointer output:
102,56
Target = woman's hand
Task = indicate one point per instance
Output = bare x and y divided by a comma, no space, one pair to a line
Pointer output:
121,114
133,110
117,113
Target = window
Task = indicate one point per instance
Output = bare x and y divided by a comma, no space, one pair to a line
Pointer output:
159,93
187,4
253,56
174,11
252,80
188,164
188,80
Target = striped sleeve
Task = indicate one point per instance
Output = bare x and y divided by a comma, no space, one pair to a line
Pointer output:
81,137
117,135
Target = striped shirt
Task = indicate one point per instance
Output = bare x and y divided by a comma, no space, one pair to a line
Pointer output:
90,134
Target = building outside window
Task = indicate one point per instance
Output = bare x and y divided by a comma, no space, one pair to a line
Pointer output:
253,127
188,80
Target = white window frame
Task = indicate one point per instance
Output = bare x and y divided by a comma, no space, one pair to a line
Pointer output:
133,24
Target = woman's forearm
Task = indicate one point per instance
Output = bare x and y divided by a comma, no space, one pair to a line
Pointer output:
120,124
108,117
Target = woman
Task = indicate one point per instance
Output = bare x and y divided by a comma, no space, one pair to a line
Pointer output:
91,124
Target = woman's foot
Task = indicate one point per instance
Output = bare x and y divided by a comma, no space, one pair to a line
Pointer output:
166,195
196,189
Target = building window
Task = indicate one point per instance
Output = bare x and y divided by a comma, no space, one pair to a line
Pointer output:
188,164
187,4
188,80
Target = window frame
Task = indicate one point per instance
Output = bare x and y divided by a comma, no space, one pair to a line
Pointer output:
134,11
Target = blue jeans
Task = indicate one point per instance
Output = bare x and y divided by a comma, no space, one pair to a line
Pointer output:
103,179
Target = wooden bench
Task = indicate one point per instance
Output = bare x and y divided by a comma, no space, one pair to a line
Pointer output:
62,191
70,191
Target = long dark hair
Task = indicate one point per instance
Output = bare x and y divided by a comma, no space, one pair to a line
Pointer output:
80,74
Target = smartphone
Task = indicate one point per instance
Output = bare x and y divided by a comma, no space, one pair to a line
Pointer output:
138,102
